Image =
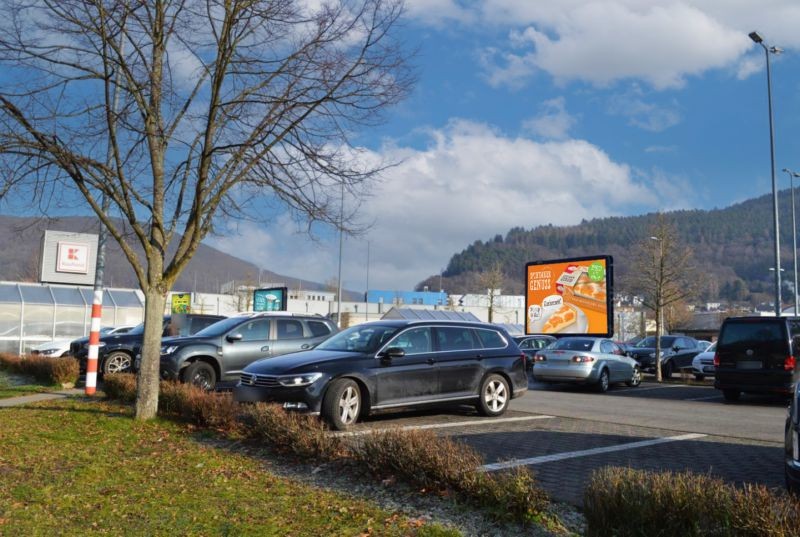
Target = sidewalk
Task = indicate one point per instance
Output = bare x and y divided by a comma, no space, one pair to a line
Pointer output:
36,397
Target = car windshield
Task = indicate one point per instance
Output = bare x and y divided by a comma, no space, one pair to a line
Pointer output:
366,338
573,344
138,329
650,341
221,327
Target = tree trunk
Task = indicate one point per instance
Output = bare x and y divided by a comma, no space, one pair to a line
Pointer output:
149,374
658,341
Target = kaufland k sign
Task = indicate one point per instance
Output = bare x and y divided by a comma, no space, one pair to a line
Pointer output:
73,257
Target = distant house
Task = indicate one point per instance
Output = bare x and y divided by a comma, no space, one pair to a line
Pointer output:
411,298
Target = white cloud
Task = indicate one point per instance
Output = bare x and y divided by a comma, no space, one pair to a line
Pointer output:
553,121
642,114
603,41
471,182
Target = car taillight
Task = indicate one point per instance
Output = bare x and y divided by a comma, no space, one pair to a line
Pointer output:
716,359
789,363
582,359
539,358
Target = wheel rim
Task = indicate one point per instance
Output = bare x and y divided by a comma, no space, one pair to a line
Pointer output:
495,395
202,379
637,376
348,405
604,380
118,363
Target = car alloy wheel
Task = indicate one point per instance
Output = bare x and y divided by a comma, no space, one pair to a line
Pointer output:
117,362
349,403
602,384
636,378
201,375
494,396
341,405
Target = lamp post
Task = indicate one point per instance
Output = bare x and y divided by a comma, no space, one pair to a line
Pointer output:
341,243
792,175
758,39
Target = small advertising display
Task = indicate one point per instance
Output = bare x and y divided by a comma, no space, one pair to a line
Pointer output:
273,299
181,303
570,296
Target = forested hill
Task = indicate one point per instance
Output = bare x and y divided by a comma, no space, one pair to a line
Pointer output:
733,248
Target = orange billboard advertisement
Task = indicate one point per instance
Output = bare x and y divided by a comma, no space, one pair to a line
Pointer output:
570,296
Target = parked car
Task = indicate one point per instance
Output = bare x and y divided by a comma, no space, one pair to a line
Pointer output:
116,351
586,360
757,355
703,363
390,364
222,350
55,349
677,353
530,344
792,444
702,344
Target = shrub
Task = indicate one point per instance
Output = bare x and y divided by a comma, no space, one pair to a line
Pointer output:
440,463
49,370
206,409
120,386
290,433
627,502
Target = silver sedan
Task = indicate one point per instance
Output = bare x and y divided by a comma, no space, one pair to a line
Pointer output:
586,360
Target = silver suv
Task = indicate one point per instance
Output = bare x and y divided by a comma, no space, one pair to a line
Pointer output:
221,351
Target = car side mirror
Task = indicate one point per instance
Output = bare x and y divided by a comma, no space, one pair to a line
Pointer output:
675,348
234,337
391,353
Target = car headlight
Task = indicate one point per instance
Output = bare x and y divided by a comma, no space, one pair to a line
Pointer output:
304,379
168,349
652,355
48,352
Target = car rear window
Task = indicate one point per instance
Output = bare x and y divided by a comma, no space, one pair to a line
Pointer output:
768,336
491,339
574,344
318,328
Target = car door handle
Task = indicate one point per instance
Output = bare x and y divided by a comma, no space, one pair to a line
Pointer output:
431,361
479,356
305,346
265,348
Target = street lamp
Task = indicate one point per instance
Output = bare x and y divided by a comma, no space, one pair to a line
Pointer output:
792,175
758,39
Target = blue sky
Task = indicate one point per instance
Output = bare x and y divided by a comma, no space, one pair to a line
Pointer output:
535,112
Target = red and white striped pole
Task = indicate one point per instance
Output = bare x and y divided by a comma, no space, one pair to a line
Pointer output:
94,340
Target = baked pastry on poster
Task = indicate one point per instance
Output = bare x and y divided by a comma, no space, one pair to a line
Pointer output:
556,316
569,296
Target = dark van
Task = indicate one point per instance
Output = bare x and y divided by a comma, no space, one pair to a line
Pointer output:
757,355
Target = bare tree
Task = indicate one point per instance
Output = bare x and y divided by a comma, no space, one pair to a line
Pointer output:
180,112
663,274
492,281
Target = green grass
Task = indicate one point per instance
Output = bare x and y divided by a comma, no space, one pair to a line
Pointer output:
12,385
72,466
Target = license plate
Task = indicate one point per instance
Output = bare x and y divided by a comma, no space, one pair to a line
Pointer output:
708,369
745,364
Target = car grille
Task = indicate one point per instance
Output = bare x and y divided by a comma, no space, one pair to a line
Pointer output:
263,381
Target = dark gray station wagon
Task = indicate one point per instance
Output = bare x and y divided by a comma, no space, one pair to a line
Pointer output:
391,364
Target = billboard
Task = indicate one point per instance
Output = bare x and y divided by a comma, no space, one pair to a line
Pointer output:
570,296
181,302
272,299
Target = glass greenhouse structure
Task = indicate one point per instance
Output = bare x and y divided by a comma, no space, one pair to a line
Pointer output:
33,313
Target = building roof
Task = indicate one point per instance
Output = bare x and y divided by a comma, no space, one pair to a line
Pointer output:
429,315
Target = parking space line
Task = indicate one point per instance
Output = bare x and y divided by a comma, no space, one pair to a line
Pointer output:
586,452
639,389
718,396
444,425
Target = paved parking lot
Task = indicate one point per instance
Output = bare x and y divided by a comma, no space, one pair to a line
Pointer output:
563,450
